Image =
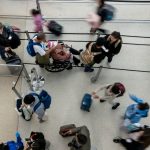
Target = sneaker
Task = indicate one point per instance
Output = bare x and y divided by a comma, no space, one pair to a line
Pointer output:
115,105
102,100
88,69
117,140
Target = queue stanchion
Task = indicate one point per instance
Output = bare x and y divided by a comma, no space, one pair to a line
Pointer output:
94,78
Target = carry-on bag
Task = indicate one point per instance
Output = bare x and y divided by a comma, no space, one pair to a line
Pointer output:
86,102
13,60
54,27
64,130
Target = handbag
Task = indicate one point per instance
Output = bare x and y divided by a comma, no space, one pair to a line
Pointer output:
87,56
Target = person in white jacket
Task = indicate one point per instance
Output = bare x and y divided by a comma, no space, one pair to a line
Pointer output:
111,91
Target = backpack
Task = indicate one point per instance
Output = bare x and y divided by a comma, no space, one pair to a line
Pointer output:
108,11
30,48
44,98
12,145
120,87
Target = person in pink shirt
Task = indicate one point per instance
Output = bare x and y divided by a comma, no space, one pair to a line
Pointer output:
38,21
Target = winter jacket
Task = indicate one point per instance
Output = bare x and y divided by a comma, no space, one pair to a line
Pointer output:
113,48
133,113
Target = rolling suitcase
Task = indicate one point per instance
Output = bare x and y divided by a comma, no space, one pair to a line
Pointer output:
64,129
14,60
86,102
54,27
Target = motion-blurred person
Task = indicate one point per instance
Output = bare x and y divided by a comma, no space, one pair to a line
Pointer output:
8,41
104,12
135,112
111,92
112,45
139,140
37,141
37,19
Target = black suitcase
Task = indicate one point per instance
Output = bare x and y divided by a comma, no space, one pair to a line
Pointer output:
14,60
54,27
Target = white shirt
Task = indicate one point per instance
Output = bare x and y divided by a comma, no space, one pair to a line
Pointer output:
39,49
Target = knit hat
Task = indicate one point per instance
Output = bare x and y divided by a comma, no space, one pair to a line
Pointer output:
100,41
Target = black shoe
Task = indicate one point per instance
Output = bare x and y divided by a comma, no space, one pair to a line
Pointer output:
116,140
116,105
69,67
70,144
102,100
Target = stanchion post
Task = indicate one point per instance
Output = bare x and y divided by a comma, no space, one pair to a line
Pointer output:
27,77
15,90
38,6
94,78
27,34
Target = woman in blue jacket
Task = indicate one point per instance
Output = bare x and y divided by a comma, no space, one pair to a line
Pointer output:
135,112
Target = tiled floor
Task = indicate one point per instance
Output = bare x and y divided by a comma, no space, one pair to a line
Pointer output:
67,88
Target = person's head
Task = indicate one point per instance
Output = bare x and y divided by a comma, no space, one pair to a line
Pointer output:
143,106
35,12
29,99
100,2
82,139
115,89
3,146
114,36
36,135
40,37
145,137
100,42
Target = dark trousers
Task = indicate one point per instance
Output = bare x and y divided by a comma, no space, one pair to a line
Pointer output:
75,52
2,53
110,57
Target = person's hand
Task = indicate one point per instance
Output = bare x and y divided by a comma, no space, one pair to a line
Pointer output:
7,49
96,97
93,93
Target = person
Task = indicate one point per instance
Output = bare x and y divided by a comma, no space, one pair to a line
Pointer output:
37,141
135,112
12,145
94,53
81,141
111,92
103,13
39,47
30,102
139,140
38,21
8,40
112,45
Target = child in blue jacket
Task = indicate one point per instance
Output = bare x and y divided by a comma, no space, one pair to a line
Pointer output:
137,111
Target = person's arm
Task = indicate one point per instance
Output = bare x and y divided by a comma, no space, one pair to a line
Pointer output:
87,45
136,99
117,49
101,88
